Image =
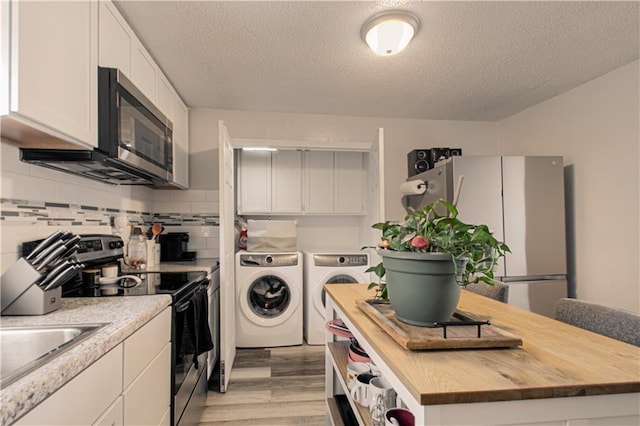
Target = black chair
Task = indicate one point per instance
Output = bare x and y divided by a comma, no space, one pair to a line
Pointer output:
499,291
611,322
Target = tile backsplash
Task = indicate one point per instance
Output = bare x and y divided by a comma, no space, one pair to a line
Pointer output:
35,202
26,220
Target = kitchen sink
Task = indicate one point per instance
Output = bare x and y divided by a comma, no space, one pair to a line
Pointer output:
23,349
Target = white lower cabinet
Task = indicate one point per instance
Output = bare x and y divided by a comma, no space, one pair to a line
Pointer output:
114,415
166,418
130,385
147,372
83,399
148,394
143,345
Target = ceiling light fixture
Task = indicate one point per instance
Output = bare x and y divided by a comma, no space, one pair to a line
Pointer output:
389,32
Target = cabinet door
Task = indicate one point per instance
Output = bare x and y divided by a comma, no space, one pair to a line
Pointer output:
349,179
114,39
148,396
83,399
255,182
145,344
181,143
318,182
54,59
165,97
143,71
286,186
114,416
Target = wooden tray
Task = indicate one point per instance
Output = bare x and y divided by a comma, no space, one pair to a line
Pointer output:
424,338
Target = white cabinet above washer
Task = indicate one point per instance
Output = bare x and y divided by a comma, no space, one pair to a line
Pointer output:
295,182
334,182
270,182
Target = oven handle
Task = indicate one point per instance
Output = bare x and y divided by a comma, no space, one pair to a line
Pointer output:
181,307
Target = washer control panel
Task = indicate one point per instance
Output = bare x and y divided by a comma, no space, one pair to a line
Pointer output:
338,260
269,260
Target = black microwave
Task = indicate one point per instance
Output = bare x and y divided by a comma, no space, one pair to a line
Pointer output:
135,140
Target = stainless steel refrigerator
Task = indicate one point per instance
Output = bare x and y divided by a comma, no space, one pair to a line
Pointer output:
521,199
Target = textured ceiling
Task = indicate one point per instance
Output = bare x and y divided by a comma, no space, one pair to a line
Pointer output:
470,60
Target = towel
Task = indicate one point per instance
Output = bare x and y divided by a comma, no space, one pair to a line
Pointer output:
197,318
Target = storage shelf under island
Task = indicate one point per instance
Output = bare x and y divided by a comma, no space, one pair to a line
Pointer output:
561,375
339,358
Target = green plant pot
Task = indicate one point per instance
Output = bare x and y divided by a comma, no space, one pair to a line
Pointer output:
422,286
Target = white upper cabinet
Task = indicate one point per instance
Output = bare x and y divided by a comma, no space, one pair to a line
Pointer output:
286,181
180,143
143,71
165,97
318,169
334,182
278,183
349,180
270,182
114,39
49,72
120,48
255,182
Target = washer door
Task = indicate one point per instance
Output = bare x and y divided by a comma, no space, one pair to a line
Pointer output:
269,298
335,277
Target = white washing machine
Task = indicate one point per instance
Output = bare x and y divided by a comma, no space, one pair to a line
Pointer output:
269,288
326,267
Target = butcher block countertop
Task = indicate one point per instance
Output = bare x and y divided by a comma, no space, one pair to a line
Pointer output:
555,360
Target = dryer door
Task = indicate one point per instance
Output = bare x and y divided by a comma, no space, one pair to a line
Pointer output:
269,298
335,277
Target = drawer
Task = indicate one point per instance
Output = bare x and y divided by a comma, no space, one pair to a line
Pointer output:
83,399
145,344
148,397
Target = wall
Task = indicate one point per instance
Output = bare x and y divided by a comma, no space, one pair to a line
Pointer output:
36,201
401,136
596,128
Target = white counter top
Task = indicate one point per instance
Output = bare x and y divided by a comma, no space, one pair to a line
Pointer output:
124,316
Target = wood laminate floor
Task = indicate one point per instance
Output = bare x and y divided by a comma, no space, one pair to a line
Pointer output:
272,386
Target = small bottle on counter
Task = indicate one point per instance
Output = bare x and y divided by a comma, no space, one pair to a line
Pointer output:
242,241
137,250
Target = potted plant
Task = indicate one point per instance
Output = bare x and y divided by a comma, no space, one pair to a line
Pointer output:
427,258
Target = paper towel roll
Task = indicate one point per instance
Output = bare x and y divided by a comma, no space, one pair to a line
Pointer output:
413,187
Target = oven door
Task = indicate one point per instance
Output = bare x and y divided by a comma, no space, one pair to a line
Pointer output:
189,377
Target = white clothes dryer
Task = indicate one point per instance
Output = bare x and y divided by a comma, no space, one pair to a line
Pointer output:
327,267
269,289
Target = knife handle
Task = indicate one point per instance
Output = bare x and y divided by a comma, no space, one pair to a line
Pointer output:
44,244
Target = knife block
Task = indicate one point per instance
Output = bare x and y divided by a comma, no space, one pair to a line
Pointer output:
21,295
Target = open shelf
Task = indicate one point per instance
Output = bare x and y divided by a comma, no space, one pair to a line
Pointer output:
339,352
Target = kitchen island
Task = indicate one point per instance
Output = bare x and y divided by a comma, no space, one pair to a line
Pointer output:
122,316
561,375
